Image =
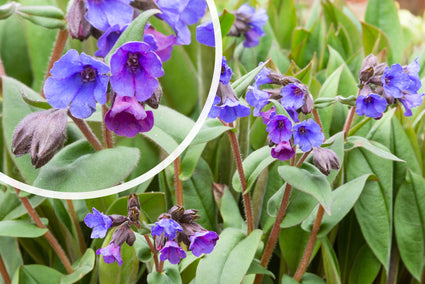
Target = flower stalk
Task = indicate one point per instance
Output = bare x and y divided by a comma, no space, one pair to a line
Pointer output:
85,129
80,236
3,272
107,134
155,256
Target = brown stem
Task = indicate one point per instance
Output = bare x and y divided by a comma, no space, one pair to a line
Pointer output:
302,159
107,134
71,209
302,267
239,167
50,238
348,121
85,129
317,118
3,271
161,266
177,182
56,54
155,256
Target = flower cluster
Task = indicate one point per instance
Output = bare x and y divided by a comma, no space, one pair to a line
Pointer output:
381,85
285,129
248,23
226,104
179,226
101,223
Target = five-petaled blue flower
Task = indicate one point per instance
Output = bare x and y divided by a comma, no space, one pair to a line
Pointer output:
394,81
307,134
257,99
103,14
257,20
292,96
203,242
172,252
111,253
135,69
78,80
229,111
99,222
262,77
279,129
371,105
166,226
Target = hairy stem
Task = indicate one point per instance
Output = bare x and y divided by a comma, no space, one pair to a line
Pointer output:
49,236
348,121
56,54
245,195
155,256
305,260
71,209
177,182
107,135
88,133
3,271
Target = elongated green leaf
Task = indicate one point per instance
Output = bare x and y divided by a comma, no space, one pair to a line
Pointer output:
343,200
170,275
20,229
11,254
190,160
309,180
283,19
292,242
211,129
240,85
330,262
409,222
142,248
375,41
81,267
253,165
36,274
226,22
76,168
366,267
256,268
229,210
357,141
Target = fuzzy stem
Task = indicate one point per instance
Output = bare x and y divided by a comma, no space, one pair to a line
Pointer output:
155,256
71,209
177,182
107,135
3,271
348,121
317,118
274,234
239,167
302,267
161,266
49,236
56,54
88,133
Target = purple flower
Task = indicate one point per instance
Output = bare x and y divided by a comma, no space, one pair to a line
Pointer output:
78,80
172,252
256,23
257,99
283,151
103,14
108,39
135,69
111,253
307,134
279,128
163,44
205,34
395,80
371,105
99,222
292,96
166,226
262,77
180,14
203,242
268,115
226,72
412,71
127,117
410,101
229,111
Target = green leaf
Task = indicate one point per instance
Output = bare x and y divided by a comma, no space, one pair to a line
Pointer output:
409,222
286,279
229,209
292,242
9,209
240,85
310,278
343,200
211,129
358,141
134,32
330,262
226,22
366,267
190,159
36,274
142,248
20,229
257,268
11,254
253,165
283,19
81,267
170,275
309,180
383,14
375,41
77,164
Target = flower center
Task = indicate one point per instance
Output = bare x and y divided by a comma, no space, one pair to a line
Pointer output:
133,61
368,100
298,92
280,124
302,130
88,74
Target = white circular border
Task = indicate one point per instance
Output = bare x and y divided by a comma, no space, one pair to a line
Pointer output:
164,163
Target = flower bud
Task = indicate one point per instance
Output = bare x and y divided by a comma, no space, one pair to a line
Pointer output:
144,4
371,71
120,234
325,160
131,238
133,201
117,220
154,100
78,26
308,103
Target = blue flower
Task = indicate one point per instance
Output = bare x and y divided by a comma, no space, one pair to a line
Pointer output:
180,14
78,80
108,39
205,34
307,134
262,77
203,242
99,222
283,151
226,72
257,99
394,81
111,253
135,69
256,22
371,105
412,71
410,101
229,111
172,252
167,226
279,128
292,96
103,14
160,43
268,115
